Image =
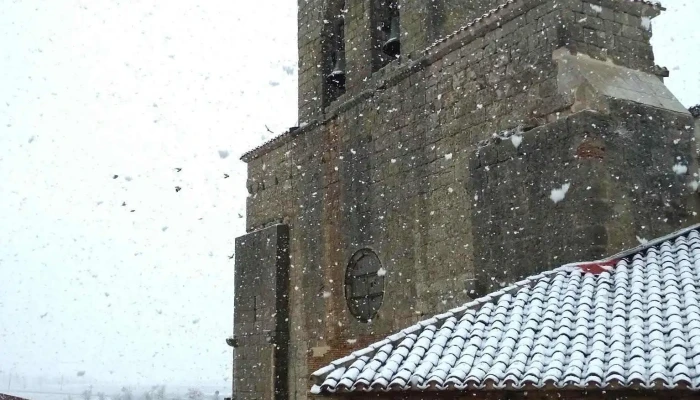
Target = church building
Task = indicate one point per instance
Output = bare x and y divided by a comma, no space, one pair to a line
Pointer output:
467,178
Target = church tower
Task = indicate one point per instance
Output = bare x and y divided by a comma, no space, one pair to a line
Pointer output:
445,149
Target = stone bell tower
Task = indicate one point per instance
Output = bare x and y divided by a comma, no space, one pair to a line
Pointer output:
447,148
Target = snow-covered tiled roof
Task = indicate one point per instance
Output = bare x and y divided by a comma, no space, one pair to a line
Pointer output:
10,397
632,320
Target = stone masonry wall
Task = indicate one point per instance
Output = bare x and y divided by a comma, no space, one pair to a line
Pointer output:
261,314
622,185
422,22
619,31
390,166
389,173
614,29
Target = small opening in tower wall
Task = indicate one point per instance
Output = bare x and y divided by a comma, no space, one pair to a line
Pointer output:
364,285
336,76
334,54
386,35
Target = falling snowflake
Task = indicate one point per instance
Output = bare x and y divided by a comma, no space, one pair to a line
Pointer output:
448,156
326,294
352,341
381,272
223,153
642,240
516,140
680,169
559,194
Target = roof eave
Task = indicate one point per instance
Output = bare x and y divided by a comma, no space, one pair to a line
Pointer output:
320,375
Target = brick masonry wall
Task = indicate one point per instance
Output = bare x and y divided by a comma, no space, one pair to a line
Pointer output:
391,166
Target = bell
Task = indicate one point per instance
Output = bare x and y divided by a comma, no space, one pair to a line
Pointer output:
337,75
392,47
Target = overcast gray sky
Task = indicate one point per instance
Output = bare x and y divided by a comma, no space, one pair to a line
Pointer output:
90,89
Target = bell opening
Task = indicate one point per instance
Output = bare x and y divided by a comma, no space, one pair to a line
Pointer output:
337,77
392,47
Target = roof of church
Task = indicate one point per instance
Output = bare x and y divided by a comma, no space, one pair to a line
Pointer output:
632,320
10,397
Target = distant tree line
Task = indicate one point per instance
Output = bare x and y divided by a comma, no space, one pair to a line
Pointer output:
156,392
